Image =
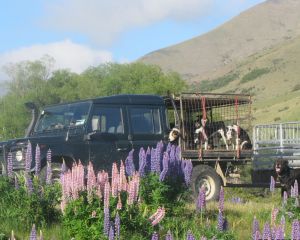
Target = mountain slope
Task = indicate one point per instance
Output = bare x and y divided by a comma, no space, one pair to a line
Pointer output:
219,51
271,76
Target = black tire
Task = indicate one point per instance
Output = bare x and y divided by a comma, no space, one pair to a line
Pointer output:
56,171
206,176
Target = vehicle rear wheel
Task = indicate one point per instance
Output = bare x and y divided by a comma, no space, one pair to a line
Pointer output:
205,176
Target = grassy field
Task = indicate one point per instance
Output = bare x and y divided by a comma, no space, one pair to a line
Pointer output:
254,203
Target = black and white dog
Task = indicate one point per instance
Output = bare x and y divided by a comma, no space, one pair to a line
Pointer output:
235,140
174,136
286,176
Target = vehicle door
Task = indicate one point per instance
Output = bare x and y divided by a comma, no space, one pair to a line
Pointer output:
146,126
108,135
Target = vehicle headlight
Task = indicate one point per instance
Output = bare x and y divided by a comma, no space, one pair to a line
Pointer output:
19,156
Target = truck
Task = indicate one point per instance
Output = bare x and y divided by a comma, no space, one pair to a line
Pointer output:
214,132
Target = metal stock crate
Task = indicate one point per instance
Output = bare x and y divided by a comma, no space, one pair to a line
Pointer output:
220,111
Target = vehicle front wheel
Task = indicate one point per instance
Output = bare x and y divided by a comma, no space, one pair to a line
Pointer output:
56,171
205,176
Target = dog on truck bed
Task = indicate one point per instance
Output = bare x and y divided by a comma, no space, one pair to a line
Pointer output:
174,136
286,176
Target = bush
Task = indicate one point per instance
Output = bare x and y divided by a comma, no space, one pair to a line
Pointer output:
296,88
210,85
255,73
38,207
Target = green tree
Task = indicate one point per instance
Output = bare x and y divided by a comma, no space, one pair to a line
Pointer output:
35,81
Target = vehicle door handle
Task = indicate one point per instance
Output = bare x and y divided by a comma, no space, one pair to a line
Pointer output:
122,149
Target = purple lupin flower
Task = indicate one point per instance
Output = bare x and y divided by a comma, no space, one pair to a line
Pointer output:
165,167
296,188
282,222
106,224
28,157
201,200
10,165
172,160
111,235
292,191
64,167
159,156
129,165
49,167
257,236
142,161
117,226
272,184
37,160
154,236
220,221
168,149
28,183
148,160
221,200
153,160
16,183
188,169
295,235
169,235
267,232
190,236
279,233
33,233
285,197
255,227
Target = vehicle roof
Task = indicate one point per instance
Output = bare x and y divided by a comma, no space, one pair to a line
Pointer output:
130,99
142,99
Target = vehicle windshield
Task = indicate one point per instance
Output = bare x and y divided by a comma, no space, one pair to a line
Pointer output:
67,116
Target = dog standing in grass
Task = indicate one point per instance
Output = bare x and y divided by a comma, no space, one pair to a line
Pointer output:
286,176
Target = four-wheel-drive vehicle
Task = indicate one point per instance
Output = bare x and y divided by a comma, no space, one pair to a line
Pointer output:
213,133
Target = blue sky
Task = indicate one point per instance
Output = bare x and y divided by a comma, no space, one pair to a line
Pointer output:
81,33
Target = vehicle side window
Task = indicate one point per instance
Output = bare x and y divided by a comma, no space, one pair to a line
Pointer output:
107,120
145,120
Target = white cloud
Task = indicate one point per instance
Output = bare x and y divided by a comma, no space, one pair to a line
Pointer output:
67,54
103,21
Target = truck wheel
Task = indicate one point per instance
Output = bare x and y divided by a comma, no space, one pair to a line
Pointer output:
206,176
56,171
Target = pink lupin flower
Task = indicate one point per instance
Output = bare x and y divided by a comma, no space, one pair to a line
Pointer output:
106,195
91,178
133,188
157,216
102,178
99,192
114,180
91,181
119,205
131,192
122,179
94,214
274,214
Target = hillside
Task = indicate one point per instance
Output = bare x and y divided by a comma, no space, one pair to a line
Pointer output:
272,77
218,51
257,52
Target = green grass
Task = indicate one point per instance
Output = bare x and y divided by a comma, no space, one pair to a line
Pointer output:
256,202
